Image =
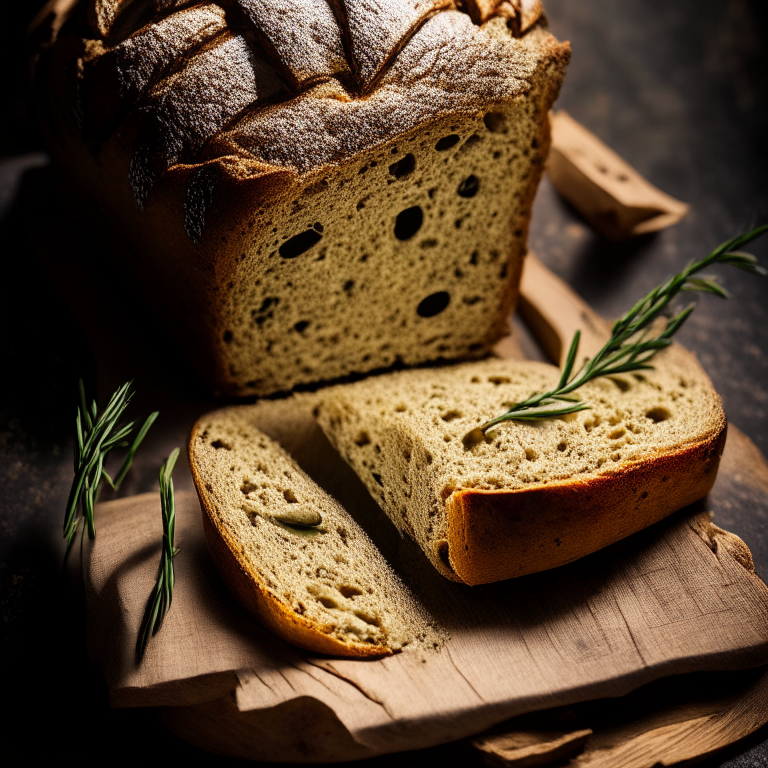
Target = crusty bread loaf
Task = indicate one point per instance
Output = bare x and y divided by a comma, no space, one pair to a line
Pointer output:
290,553
310,189
531,496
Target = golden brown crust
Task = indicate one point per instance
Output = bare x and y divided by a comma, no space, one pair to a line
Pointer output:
495,535
253,594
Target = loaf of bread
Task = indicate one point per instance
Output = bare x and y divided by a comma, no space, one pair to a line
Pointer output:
536,495
308,188
290,553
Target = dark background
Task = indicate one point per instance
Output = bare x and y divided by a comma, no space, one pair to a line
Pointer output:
679,88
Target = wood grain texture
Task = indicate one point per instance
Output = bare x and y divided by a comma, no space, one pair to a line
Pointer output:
666,728
674,598
664,601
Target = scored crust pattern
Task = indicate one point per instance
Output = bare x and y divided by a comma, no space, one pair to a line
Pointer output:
145,64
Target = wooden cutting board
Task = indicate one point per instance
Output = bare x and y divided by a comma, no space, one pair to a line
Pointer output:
679,597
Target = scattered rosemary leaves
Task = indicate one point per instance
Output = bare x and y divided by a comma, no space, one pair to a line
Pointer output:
630,348
97,435
162,593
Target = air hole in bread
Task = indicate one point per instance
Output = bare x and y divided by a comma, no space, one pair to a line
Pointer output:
433,304
349,591
372,620
403,167
266,310
290,497
469,187
301,326
408,222
622,384
617,433
401,408
447,142
342,535
221,444
497,380
248,487
494,122
531,455
562,446
443,554
377,478
227,337
451,415
326,602
300,243
658,414
362,439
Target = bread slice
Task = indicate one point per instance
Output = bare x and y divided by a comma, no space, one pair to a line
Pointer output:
388,152
290,553
531,496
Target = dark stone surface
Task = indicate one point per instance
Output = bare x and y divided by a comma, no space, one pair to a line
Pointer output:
678,89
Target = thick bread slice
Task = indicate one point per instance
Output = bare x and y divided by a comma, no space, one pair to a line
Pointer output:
532,496
290,553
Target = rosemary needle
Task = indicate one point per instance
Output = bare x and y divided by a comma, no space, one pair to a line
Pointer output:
97,435
630,348
162,593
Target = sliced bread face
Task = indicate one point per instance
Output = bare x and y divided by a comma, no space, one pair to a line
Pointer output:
306,192
530,496
290,553
417,243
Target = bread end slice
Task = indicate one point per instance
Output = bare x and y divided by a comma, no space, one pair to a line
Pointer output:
291,555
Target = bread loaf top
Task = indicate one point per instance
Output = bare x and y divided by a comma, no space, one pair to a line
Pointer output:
258,87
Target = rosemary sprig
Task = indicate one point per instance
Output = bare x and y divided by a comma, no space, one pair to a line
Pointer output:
630,348
162,593
97,435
